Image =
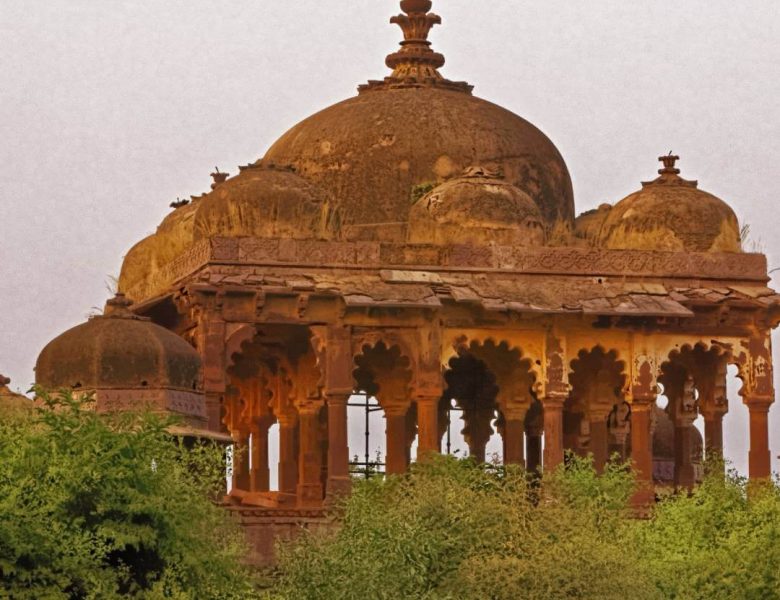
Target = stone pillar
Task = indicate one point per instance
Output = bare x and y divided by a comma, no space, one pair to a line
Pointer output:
514,430
478,432
309,459
533,445
642,448
260,472
241,478
339,481
428,425
759,458
288,464
395,431
684,474
599,440
553,431
713,433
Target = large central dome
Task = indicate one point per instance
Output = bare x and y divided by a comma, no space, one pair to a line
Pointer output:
374,153
355,170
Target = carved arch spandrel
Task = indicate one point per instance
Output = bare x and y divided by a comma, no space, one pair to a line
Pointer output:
385,373
598,378
530,343
513,372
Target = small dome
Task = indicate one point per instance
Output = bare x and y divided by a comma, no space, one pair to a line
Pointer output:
12,403
587,226
477,208
262,202
118,350
671,214
257,203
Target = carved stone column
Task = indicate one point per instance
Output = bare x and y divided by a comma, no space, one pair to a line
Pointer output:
553,430
477,431
395,423
759,457
241,479
514,430
428,425
713,433
684,413
599,439
642,447
533,445
288,459
309,459
338,450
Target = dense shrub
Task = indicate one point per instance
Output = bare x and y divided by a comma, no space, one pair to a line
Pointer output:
111,507
457,530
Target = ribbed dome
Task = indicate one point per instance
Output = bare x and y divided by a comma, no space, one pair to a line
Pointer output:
373,152
478,208
118,350
672,214
264,203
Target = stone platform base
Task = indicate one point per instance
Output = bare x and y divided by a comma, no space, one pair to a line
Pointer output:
264,526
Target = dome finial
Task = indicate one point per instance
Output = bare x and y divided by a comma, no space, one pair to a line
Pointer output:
118,306
416,64
416,59
669,161
670,174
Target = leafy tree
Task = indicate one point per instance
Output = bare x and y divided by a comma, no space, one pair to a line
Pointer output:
721,542
97,506
455,529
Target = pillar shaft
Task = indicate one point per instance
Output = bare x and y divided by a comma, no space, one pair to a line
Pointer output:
684,475
338,449
713,434
428,426
759,459
642,448
533,442
395,431
553,432
514,450
241,479
288,465
599,442
309,458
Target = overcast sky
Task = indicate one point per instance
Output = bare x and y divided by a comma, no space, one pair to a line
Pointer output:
111,109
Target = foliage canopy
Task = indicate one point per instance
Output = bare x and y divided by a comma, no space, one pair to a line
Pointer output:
457,530
96,506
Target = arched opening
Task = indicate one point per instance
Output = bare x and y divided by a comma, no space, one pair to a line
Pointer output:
690,426
489,391
382,390
596,419
273,411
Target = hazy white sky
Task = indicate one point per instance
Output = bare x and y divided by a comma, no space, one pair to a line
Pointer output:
110,109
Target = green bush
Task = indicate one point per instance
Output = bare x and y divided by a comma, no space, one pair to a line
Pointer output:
93,506
455,529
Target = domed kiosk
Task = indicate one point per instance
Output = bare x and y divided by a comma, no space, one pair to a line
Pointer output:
418,244
127,362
